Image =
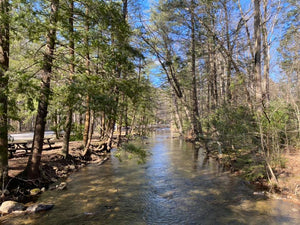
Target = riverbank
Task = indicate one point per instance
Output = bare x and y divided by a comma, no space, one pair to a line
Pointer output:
287,186
54,169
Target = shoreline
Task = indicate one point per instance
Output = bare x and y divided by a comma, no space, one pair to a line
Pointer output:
55,169
286,177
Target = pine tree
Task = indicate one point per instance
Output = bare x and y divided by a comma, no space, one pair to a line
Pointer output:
33,165
4,65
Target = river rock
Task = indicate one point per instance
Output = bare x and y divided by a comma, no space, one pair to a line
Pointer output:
11,206
61,186
55,168
72,167
39,207
35,191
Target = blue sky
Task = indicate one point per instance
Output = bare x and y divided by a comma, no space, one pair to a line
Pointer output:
155,74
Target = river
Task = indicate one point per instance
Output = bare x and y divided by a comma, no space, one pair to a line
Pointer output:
177,185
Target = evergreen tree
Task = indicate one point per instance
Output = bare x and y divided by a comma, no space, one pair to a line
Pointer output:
4,66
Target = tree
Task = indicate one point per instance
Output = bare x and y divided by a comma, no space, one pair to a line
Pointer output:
87,119
257,53
68,123
4,65
289,63
32,169
196,124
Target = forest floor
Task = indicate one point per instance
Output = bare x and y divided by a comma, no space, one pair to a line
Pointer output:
49,157
289,176
54,167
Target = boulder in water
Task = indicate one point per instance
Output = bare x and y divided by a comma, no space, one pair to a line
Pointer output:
11,206
61,186
39,207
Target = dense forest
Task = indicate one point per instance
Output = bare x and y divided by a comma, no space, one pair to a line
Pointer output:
227,72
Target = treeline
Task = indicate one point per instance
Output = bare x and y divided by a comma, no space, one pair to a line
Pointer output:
217,60
71,66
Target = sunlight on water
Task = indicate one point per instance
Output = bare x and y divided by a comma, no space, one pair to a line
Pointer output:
176,186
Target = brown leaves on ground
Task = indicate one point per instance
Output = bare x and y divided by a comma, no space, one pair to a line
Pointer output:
289,176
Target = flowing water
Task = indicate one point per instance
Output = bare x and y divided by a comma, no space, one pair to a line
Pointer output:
177,185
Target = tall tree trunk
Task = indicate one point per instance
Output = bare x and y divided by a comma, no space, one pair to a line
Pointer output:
125,9
228,61
4,65
87,121
133,122
126,119
32,169
103,126
196,125
177,116
215,81
257,52
266,53
111,129
68,123
87,64
120,126
87,152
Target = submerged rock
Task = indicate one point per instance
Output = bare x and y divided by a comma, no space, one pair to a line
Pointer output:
11,206
39,207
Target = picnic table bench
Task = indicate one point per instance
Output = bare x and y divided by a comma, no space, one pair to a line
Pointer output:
26,145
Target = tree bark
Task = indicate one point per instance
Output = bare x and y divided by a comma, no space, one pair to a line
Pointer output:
125,9
257,52
87,152
266,53
32,169
196,125
87,64
68,123
86,121
228,62
120,127
177,116
4,65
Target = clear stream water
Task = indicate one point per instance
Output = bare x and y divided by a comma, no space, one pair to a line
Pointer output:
177,185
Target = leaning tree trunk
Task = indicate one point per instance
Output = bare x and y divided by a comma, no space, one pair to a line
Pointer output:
68,124
4,64
177,115
32,170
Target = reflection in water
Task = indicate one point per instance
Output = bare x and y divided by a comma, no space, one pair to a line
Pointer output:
178,185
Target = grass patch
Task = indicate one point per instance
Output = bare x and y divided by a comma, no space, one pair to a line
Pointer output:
130,151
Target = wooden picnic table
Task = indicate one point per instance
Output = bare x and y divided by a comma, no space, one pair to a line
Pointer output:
13,146
26,145
49,141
